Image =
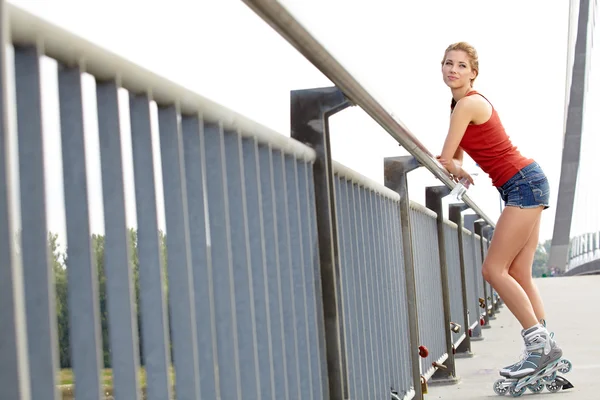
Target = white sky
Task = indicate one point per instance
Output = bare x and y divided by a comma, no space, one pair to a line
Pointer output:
222,50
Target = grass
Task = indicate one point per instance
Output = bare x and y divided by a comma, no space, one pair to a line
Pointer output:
65,377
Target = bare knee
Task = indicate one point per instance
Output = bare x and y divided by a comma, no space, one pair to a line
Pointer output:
491,272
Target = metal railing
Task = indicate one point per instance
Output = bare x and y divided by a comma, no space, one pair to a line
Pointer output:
281,273
584,254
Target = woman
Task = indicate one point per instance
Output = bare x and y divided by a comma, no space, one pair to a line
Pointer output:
475,128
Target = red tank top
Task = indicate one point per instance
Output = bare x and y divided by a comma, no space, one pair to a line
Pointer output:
490,147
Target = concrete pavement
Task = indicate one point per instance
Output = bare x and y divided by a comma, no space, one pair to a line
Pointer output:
573,313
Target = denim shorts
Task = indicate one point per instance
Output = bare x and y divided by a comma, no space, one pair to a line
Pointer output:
528,188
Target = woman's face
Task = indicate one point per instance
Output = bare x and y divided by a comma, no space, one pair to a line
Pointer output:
456,69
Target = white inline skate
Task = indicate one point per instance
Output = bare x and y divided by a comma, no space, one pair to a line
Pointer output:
538,367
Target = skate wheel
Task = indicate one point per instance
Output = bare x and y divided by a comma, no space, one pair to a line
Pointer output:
565,367
500,388
517,393
536,387
553,387
550,378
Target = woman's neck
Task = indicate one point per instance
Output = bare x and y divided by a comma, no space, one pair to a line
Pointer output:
461,92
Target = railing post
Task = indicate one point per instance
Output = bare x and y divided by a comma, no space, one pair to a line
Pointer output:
494,308
479,226
491,311
310,111
433,201
469,223
455,215
396,170
14,367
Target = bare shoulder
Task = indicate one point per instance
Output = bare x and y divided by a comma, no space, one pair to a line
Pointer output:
477,107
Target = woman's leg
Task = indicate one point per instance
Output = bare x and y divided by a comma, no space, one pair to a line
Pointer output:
521,271
512,233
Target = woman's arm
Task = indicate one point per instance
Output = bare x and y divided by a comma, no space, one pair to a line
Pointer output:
452,154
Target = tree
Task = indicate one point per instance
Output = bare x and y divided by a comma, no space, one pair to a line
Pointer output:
540,259
60,270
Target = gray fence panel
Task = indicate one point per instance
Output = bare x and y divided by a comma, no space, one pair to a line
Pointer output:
155,334
370,274
310,254
399,297
454,280
315,267
37,270
429,286
242,274
295,218
262,323
472,298
273,277
478,263
346,236
193,154
222,271
84,328
285,270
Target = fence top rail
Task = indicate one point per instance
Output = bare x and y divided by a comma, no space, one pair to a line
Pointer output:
69,49
277,16
466,231
347,173
422,209
451,224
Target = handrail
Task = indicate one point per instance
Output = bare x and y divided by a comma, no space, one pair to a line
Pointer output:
277,16
72,50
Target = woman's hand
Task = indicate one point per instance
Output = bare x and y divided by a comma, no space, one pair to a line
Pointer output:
455,169
452,166
464,174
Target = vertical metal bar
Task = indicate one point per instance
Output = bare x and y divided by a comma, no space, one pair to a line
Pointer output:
454,215
310,110
371,267
433,201
37,268
181,296
360,358
120,294
479,225
14,368
272,270
193,153
368,373
341,201
242,273
285,271
312,285
155,333
298,279
84,327
380,294
252,177
395,174
220,250
392,316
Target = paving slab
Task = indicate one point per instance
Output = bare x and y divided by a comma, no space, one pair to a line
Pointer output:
573,314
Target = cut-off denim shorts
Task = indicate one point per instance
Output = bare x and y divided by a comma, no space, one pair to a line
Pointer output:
528,188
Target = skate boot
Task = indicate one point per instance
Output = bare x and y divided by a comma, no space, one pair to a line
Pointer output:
538,366
507,370
541,351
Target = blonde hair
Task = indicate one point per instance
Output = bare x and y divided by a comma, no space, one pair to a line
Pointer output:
471,54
